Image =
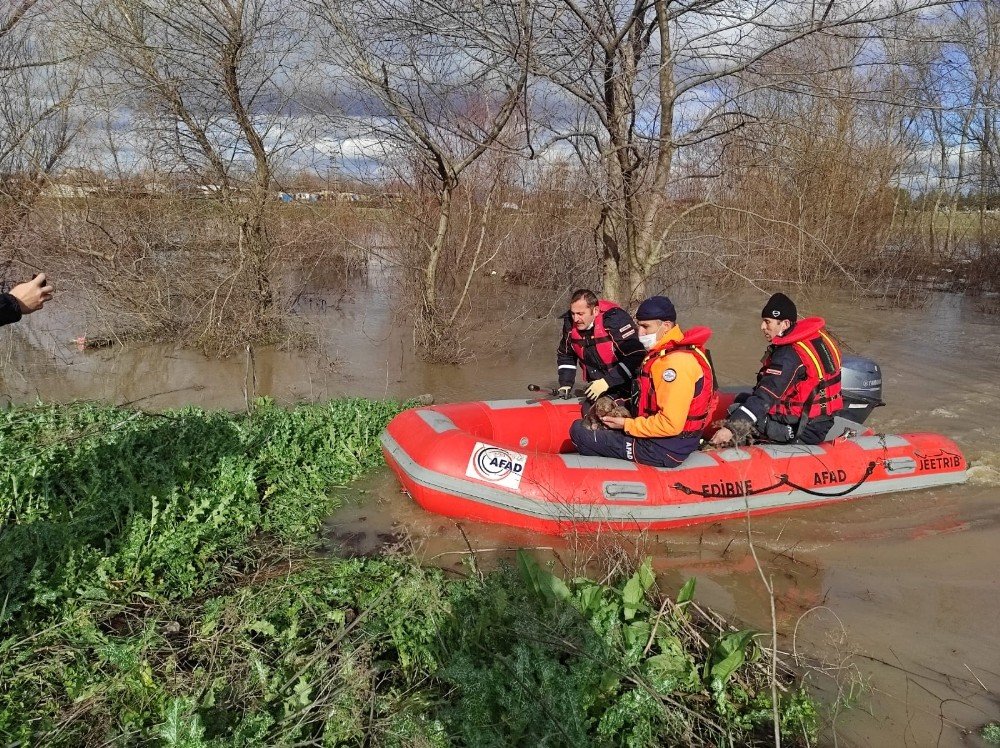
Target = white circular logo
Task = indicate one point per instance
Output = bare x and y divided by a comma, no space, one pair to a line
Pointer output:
669,375
776,313
493,463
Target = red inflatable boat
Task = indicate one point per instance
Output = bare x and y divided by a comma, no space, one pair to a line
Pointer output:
511,462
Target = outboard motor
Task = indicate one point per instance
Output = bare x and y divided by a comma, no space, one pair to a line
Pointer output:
861,388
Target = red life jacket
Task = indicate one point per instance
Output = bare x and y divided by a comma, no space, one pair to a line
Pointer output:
820,390
600,341
704,402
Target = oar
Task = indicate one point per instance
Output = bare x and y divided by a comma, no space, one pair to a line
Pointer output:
546,390
554,392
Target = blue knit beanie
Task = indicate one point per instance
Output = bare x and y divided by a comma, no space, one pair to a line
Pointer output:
656,307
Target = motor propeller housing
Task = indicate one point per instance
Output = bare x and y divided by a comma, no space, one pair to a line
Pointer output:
861,388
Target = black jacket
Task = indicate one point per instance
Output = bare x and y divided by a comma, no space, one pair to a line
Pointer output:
781,368
628,353
10,310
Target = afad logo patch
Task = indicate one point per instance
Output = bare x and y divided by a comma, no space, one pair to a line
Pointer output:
496,465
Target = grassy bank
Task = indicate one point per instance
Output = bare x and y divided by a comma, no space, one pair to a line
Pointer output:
159,588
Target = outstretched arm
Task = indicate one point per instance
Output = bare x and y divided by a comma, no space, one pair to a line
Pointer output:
24,298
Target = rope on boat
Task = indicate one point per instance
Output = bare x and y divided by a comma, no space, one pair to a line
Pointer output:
868,472
784,481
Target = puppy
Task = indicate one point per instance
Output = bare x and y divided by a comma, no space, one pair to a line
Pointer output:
605,406
742,433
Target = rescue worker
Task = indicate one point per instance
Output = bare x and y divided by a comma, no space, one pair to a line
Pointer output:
798,385
677,395
24,298
601,337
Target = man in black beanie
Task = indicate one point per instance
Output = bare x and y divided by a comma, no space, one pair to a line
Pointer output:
798,385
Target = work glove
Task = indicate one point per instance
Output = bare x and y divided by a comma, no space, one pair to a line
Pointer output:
565,392
597,388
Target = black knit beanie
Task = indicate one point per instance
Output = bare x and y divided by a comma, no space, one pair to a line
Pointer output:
779,306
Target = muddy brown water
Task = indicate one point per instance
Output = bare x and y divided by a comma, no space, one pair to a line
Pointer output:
901,591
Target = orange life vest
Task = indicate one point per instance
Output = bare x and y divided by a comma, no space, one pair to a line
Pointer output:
819,392
704,401
600,341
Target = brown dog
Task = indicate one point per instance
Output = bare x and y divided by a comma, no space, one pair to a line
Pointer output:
605,406
742,433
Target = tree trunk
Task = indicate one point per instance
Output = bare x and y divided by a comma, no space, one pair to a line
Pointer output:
431,326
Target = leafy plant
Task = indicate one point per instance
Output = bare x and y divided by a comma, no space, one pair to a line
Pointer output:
130,540
161,587
991,733
531,658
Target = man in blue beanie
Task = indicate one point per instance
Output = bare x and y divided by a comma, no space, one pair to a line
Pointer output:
798,385
675,400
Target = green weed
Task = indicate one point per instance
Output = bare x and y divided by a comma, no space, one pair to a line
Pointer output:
100,503
534,660
991,733
159,588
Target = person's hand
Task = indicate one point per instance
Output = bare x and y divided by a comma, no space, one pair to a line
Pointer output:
613,422
32,295
565,392
720,437
597,388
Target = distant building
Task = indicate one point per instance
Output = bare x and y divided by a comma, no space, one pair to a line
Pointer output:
60,190
76,182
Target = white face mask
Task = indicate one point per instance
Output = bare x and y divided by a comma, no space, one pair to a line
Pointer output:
648,341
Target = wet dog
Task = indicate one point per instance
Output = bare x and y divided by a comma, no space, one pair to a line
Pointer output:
742,433
605,406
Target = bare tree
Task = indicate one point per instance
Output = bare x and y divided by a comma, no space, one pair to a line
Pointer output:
39,78
648,79
208,82
808,185
948,99
440,83
977,41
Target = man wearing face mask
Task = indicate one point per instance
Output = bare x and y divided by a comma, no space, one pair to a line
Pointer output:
798,385
676,395
601,337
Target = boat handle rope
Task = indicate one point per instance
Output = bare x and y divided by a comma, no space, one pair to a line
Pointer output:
784,481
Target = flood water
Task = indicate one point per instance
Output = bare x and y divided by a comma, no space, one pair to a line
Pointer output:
900,591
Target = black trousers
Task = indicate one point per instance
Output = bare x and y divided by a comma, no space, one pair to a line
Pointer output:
669,451
771,430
